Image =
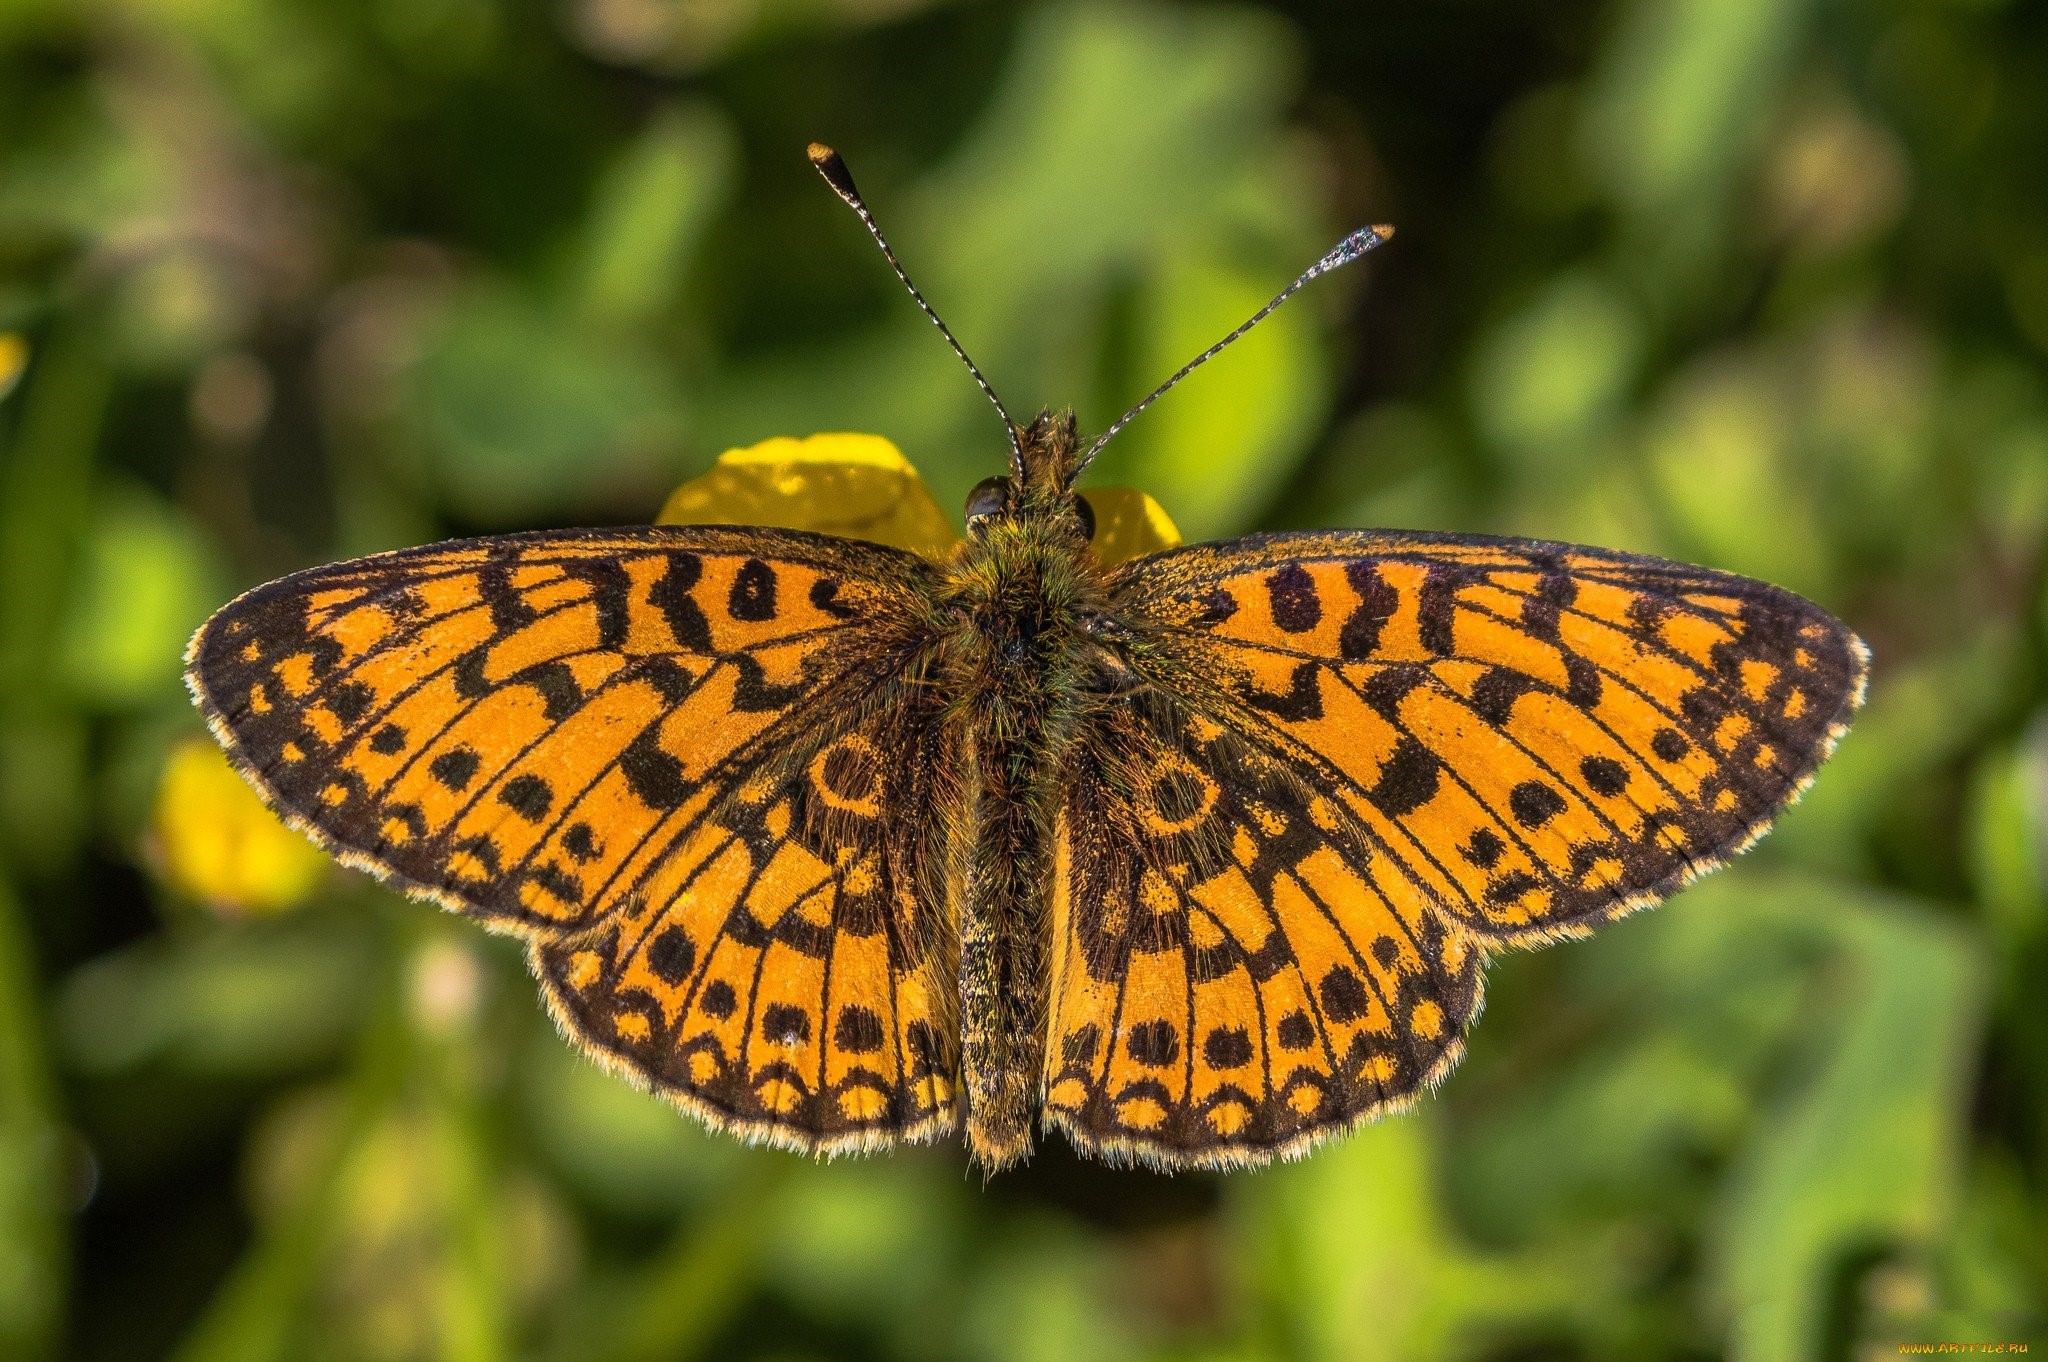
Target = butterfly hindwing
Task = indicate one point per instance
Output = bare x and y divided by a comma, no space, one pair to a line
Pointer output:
1235,973
779,967
1543,737
569,735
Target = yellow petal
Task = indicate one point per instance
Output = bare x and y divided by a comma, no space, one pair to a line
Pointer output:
1129,524
859,486
220,845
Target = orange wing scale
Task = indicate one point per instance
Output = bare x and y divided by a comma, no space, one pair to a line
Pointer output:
635,749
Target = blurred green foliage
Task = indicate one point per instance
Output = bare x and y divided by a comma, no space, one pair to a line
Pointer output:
1758,283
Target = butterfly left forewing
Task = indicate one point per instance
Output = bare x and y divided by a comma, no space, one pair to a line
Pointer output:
634,748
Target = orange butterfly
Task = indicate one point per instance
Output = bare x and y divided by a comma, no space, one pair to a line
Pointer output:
1196,856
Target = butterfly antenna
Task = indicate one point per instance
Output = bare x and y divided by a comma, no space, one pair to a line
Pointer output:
1340,255
833,168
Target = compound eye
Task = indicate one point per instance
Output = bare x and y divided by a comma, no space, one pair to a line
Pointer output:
1087,514
991,496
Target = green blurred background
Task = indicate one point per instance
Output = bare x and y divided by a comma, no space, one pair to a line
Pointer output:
1755,283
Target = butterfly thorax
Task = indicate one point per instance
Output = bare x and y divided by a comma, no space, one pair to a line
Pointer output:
1019,660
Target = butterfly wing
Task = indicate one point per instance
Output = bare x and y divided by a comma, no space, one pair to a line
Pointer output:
661,755
1405,751
1233,970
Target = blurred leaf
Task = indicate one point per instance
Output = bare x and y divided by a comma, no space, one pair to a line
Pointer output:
1676,107
1044,1297
217,1000
521,414
652,209
1359,1253
1863,1149
1659,1098
1555,372
1992,1261
1396,467
625,1151
146,582
1719,452
684,1294
2008,829
33,1230
872,1240
46,472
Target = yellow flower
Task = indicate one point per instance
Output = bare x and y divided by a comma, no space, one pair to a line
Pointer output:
1129,524
13,360
862,487
215,842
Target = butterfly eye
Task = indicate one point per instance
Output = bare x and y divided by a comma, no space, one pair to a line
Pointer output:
991,496
1087,514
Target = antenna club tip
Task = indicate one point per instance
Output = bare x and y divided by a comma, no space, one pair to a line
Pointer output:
829,164
1383,230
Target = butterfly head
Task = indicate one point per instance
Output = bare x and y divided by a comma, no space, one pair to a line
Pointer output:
1049,451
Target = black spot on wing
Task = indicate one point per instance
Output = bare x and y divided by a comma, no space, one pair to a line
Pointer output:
1360,636
1407,781
782,1024
455,768
1533,803
1227,1047
671,955
1291,594
752,597
1343,994
527,795
1604,775
1156,1043
858,1031
671,595
656,778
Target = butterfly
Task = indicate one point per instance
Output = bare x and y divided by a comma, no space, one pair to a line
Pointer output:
1197,857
